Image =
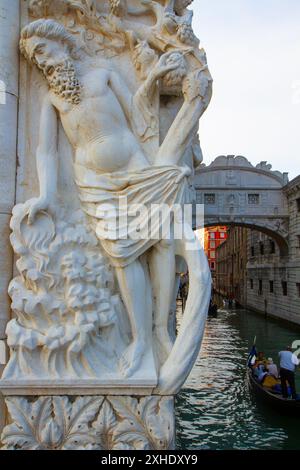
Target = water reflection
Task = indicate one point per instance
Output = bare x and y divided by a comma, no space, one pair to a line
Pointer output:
215,410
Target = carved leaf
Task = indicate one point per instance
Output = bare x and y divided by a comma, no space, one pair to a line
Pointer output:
12,439
130,430
105,425
160,422
78,419
28,418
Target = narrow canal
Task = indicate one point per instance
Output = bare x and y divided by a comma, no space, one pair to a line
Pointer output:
215,409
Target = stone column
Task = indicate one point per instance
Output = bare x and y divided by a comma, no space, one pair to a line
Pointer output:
9,84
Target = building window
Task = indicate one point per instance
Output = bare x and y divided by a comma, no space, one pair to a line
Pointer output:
253,199
298,288
271,287
252,251
212,235
222,235
284,288
213,244
260,288
272,247
262,248
210,199
251,284
213,254
212,265
298,204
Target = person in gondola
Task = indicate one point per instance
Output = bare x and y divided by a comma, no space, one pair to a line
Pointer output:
288,363
261,373
272,368
260,360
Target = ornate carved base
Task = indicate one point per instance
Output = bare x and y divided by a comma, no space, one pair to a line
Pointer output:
89,423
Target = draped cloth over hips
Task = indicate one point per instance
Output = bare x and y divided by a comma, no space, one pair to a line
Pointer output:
106,197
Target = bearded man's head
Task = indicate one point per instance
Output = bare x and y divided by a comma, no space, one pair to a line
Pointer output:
48,45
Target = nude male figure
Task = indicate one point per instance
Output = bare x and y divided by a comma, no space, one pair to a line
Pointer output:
95,106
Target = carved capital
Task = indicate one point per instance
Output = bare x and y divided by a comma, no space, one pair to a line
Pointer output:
89,423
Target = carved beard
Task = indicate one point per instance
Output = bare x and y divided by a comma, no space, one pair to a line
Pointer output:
63,81
175,77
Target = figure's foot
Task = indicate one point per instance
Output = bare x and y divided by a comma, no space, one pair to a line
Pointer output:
132,358
165,344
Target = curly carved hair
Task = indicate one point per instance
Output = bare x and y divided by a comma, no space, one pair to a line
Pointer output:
48,29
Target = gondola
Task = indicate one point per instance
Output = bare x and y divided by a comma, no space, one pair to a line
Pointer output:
273,399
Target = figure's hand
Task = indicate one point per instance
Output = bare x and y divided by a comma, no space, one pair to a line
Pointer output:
166,64
37,205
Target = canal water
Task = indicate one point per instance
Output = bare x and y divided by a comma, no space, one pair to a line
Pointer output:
215,409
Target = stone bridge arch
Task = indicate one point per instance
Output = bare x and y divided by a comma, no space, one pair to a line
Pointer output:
234,192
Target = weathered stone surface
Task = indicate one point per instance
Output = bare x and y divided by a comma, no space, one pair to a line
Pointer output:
8,149
2,407
9,35
9,82
5,272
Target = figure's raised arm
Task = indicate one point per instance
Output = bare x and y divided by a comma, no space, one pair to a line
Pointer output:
46,160
197,92
145,102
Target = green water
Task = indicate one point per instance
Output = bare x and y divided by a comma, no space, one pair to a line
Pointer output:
215,410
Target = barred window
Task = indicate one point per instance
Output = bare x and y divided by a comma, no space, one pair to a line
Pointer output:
253,199
284,288
210,199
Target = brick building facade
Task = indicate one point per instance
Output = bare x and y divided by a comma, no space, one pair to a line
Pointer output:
213,238
231,260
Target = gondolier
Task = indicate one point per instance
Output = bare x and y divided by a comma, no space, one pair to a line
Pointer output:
288,363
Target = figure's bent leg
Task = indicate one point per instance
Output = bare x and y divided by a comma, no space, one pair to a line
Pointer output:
136,296
162,272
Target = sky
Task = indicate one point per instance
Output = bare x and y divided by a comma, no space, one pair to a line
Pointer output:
253,49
